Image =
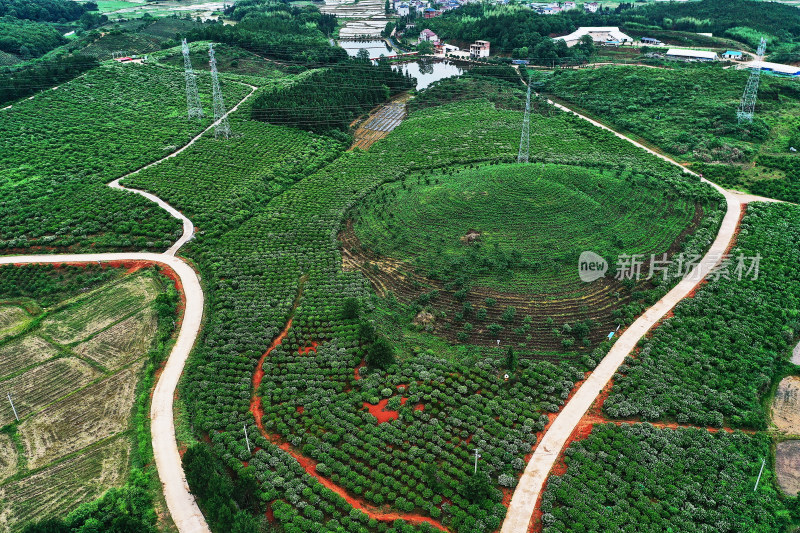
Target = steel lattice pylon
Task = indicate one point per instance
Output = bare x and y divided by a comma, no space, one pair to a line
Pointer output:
525,140
748,105
194,108
222,128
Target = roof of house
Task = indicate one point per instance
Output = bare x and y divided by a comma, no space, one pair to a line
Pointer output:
611,33
777,67
732,53
428,33
691,53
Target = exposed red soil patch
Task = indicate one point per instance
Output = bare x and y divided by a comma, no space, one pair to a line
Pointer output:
507,494
380,412
308,349
308,464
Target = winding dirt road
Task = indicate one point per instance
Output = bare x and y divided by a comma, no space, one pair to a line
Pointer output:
181,504
544,456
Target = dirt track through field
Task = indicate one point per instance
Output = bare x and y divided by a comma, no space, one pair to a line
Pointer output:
528,491
180,502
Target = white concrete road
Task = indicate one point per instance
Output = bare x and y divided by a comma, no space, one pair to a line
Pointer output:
181,504
533,478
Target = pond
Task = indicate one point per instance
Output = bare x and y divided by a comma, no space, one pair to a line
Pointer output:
428,71
375,47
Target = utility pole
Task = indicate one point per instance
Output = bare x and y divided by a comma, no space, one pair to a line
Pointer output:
247,439
222,128
763,462
476,460
12,406
748,104
193,106
525,140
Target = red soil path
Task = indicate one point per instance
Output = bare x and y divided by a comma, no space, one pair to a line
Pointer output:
309,465
356,375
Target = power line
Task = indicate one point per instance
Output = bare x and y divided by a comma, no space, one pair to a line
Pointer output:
747,107
193,106
222,127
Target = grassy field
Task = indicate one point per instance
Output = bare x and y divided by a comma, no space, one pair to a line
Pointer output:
521,215
12,319
73,376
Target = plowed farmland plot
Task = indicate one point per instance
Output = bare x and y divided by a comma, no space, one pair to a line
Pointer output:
24,352
74,392
123,342
64,485
44,384
74,324
98,411
8,457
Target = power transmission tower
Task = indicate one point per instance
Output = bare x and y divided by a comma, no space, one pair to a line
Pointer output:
222,128
192,99
525,140
748,105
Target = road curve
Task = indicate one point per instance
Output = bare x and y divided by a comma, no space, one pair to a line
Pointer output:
531,483
181,504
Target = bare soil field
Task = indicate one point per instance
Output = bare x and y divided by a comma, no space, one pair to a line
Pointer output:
787,466
72,325
786,406
8,457
123,342
44,384
64,485
26,351
95,413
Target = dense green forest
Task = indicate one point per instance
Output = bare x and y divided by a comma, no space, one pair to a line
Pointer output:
28,38
277,31
331,98
46,10
514,28
18,83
